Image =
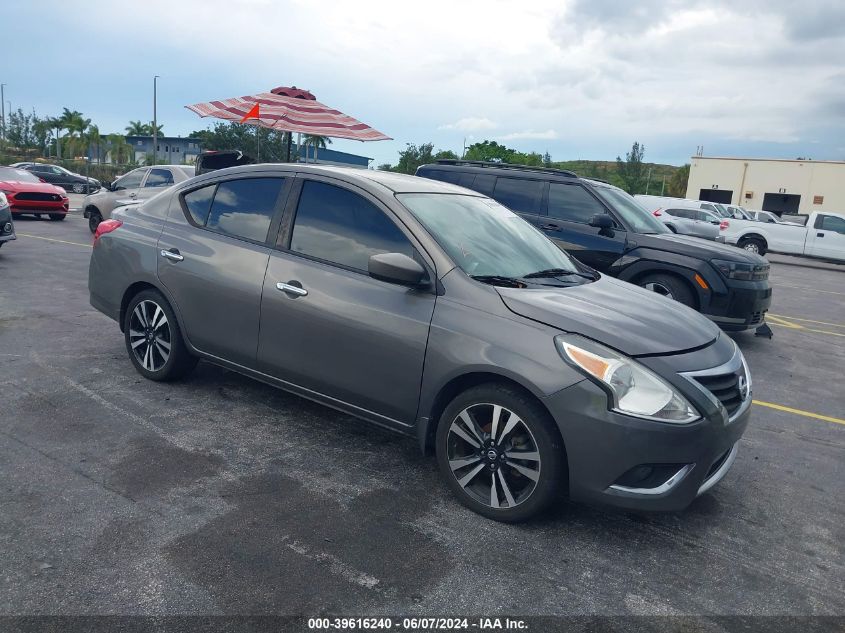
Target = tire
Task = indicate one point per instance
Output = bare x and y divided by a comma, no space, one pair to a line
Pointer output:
523,487
57,217
147,338
94,219
78,187
669,286
753,245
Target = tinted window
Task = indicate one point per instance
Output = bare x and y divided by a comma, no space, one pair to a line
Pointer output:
681,213
635,216
159,178
198,203
340,226
831,223
484,184
38,168
444,175
519,195
573,203
245,208
132,180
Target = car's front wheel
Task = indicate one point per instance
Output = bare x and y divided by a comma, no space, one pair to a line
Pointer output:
153,338
78,187
670,287
94,219
500,452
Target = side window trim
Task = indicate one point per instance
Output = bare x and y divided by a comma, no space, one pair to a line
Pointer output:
282,243
278,208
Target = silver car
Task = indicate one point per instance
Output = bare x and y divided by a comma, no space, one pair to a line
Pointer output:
695,222
437,312
139,184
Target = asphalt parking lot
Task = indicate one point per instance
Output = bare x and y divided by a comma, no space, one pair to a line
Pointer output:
220,495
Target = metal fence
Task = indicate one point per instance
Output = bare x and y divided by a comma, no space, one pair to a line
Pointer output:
104,172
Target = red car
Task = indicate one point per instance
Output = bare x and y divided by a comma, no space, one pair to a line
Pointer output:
28,194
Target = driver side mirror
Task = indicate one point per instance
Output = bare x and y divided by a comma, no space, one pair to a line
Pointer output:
601,221
396,268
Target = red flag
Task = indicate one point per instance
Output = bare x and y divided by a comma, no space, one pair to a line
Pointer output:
252,114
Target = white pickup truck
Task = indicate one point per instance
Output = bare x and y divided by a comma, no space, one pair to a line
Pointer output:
823,236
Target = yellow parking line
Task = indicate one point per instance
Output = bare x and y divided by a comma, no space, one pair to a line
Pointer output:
771,319
792,318
806,414
830,292
50,239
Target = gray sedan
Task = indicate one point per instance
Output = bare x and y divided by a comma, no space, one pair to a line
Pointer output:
139,184
436,312
695,222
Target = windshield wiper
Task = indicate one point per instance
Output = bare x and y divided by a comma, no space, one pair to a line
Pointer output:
559,272
499,280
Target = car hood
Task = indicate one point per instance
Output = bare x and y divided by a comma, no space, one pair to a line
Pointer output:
630,319
695,247
40,187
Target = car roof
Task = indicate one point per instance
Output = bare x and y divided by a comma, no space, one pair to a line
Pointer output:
491,168
397,183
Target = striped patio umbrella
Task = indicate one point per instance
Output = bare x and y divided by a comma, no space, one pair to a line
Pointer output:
290,110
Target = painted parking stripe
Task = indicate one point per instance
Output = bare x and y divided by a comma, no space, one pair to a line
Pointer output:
51,239
792,318
775,320
830,292
806,414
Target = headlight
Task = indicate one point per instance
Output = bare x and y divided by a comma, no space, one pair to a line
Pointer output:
741,270
3,200
634,389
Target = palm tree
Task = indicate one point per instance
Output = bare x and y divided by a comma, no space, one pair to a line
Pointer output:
316,142
94,139
119,149
76,125
136,128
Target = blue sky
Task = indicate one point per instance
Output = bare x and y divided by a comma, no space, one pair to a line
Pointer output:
579,79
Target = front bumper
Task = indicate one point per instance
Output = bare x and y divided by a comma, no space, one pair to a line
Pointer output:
604,447
742,307
29,207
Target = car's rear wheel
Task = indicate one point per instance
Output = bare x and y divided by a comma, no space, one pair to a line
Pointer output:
57,217
670,287
94,219
153,338
500,452
753,245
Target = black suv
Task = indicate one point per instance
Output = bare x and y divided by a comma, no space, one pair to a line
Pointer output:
606,229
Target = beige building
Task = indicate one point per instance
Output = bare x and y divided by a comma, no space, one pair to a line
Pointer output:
781,186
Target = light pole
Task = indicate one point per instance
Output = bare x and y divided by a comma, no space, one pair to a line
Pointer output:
3,109
155,122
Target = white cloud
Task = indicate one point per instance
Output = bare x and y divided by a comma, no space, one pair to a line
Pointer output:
470,124
529,134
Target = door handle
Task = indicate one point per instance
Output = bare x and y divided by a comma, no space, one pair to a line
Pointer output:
291,289
550,226
172,254
819,234
133,195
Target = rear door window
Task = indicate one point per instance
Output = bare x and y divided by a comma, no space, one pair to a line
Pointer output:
682,213
520,195
484,184
573,203
198,203
159,178
244,208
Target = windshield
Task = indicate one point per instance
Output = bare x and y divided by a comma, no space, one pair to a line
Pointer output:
19,175
636,216
484,238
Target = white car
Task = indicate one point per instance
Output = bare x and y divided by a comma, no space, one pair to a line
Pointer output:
695,222
652,203
823,237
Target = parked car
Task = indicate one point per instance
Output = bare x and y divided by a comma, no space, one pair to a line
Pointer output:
26,194
22,165
653,203
764,216
139,184
823,237
220,159
607,229
437,312
7,225
61,177
695,222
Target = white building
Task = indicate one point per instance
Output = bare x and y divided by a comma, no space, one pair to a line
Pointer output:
780,186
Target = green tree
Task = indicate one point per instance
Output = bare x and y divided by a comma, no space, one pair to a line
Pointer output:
120,152
490,151
20,130
632,170
677,185
317,142
232,135
136,128
445,154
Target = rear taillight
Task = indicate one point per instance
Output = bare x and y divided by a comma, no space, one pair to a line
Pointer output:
657,212
106,226
724,224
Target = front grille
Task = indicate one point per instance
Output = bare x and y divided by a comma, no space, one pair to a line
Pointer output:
37,196
757,317
726,389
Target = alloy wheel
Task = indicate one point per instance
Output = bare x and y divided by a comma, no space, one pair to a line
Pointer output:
78,188
752,247
493,455
659,289
150,335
